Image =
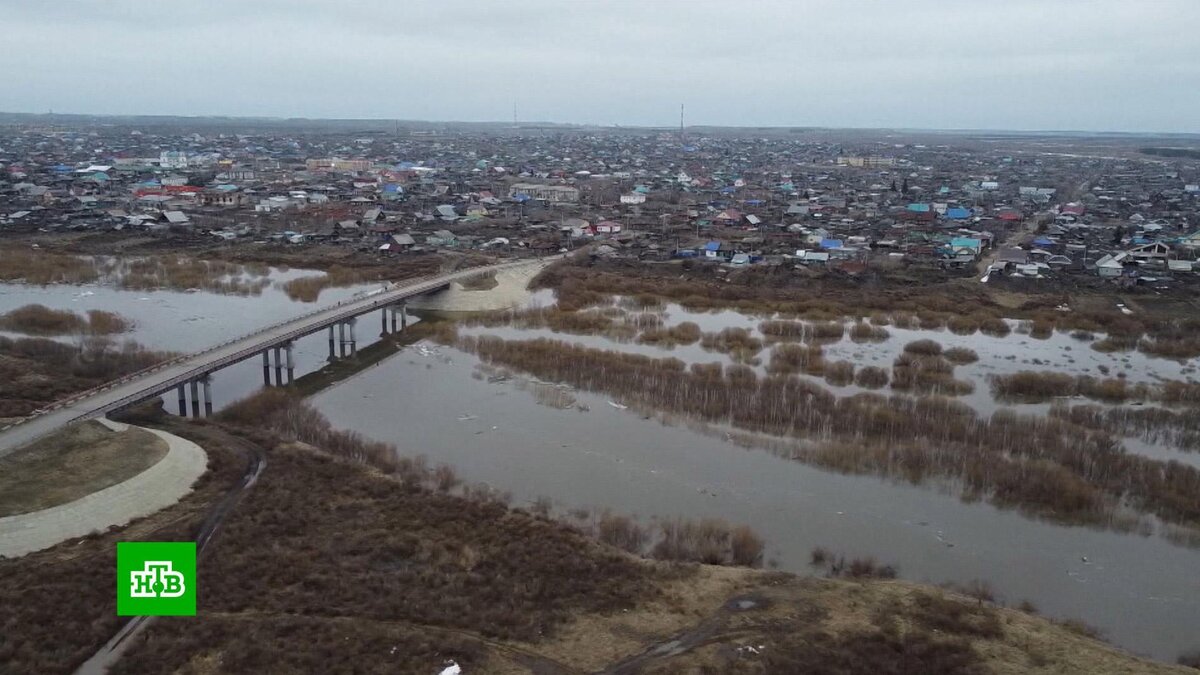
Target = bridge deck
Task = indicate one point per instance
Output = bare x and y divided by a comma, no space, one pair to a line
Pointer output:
167,376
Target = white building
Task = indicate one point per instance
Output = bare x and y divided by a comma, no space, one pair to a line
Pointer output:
555,194
173,159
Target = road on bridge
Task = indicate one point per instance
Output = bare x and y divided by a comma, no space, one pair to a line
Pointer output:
165,377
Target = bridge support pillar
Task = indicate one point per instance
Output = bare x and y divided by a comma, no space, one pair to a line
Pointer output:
207,382
266,367
278,367
195,398
182,401
342,339
403,315
383,331
332,356
392,309
353,344
291,363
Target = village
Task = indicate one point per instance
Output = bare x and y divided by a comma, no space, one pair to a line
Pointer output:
1018,208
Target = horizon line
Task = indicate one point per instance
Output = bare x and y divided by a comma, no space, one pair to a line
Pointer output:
596,125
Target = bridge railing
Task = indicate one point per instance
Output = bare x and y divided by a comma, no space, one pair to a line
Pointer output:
406,285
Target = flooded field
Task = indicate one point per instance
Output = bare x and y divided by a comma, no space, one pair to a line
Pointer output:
598,452
591,451
183,321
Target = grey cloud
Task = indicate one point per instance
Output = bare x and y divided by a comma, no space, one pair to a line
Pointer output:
1046,64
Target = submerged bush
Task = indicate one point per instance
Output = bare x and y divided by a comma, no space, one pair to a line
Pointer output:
961,356
865,332
1049,466
923,347
871,377
41,320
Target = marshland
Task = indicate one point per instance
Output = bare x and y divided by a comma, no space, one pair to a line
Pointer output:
723,430
922,441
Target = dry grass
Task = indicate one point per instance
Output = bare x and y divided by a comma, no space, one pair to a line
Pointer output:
1037,387
308,289
923,348
75,610
45,267
41,320
861,331
71,463
787,359
961,356
709,541
182,273
871,377
839,373
35,371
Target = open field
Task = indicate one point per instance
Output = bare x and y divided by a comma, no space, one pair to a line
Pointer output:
77,461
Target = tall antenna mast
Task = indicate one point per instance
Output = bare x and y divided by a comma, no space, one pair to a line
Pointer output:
680,122
514,113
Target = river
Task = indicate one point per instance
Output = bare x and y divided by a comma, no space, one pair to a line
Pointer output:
1142,591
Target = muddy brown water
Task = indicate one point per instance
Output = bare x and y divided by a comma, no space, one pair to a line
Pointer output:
1143,592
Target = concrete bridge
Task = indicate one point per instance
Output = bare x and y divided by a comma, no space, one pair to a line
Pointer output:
194,371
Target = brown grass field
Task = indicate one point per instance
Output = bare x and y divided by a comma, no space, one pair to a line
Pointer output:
74,462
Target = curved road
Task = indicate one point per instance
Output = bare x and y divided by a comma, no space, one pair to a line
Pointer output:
167,376
157,487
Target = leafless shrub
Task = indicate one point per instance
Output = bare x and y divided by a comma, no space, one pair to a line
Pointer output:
871,377
622,532
839,373
861,331
923,347
961,356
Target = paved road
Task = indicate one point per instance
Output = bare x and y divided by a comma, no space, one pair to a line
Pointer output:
165,377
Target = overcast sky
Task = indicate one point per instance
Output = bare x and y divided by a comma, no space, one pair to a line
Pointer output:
1130,65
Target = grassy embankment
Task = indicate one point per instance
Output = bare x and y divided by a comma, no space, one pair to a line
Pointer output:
78,461
73,610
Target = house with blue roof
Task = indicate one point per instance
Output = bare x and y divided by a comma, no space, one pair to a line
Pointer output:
958,213
717,250
958,244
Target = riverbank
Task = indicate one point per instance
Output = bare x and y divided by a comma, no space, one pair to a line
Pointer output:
167,479
499,590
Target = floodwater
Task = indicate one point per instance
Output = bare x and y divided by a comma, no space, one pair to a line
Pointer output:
1142,591
193,321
